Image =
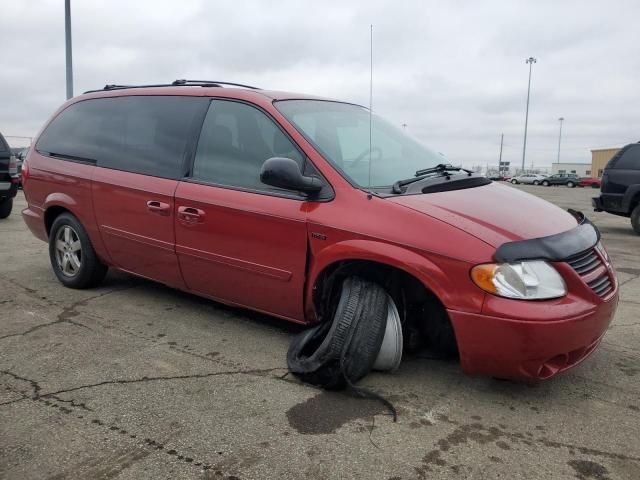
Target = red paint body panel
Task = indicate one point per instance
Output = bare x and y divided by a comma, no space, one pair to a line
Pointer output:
266,252
137,239
247,248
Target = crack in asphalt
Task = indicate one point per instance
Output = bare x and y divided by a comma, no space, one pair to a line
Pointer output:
145,379
51,399
67,314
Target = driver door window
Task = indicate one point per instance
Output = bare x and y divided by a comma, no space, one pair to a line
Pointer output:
235,141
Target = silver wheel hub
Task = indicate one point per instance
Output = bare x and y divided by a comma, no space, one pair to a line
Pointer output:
390,353
68,251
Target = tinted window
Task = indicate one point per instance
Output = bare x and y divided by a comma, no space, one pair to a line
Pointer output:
630,159
141,134
235,141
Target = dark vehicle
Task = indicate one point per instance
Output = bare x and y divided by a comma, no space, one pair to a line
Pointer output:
568,179
8,178
620,190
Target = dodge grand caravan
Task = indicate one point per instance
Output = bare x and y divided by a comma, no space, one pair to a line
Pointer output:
259,199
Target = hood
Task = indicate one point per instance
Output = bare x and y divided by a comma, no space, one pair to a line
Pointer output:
493,213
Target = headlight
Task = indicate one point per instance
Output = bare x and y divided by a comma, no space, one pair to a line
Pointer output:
526,280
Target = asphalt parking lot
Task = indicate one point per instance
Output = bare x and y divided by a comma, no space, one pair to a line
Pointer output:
134,380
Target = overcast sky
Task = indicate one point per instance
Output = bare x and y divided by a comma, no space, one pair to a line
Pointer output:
453,71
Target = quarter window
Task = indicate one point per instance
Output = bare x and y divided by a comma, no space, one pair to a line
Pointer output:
141,134
235,141
630,159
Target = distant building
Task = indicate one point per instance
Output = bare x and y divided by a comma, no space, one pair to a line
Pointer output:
599,159
580,169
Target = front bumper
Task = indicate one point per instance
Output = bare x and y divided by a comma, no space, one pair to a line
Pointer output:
529,350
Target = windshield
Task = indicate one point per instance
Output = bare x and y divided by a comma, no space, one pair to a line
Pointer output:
340,132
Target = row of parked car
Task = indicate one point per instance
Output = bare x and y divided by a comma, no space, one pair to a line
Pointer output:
570,180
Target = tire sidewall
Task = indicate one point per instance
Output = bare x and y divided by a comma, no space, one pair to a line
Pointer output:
84,275
6,205
635,219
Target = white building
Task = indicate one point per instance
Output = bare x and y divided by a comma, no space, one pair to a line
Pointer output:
580,169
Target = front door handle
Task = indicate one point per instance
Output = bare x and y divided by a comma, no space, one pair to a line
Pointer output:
190,215
160,208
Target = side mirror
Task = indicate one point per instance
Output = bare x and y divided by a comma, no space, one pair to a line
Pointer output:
285,173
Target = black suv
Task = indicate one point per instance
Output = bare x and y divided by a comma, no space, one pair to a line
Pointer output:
8,178
620,190
568,179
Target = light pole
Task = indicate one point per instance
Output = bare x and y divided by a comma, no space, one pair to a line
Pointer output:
561,119
67,38
530,61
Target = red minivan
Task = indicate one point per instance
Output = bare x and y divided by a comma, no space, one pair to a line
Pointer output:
259,199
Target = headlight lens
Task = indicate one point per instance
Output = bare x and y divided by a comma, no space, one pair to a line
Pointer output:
526,280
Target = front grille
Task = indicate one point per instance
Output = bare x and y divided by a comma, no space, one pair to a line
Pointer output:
586,262
601,285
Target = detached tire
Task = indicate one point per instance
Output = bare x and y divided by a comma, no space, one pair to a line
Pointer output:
635,219
73,259
6,205
347,347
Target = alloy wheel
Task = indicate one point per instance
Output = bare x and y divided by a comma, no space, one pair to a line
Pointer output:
68,251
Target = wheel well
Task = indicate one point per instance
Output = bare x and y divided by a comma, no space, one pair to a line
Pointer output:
51,214
422,313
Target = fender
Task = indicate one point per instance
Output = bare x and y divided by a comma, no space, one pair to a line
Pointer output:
430,274
84,213
631,192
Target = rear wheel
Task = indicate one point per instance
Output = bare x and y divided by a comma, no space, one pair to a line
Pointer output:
514,181
635,219
73,259
6,205
571,184
545,183
536,182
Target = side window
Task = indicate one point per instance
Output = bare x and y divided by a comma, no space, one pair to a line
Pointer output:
630,159
235,141
141,134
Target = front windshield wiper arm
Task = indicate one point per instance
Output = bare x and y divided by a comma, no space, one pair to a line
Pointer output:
442,168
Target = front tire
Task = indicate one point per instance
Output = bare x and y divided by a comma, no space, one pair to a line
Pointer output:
545,183
536,182
6,205
514,181
73,259
635,219
348,345
571,184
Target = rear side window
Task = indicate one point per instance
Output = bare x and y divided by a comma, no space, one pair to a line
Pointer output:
144,134
630,159
235,141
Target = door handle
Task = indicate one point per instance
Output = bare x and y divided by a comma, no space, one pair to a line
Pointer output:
160,208
190,215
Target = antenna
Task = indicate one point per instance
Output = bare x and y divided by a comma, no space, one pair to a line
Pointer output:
370,97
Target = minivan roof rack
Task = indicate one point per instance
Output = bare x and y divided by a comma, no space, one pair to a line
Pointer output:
176,83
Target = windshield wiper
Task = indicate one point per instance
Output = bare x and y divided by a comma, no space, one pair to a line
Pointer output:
441,168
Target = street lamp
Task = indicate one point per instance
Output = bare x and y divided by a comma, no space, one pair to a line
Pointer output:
530,61
561,119
67,41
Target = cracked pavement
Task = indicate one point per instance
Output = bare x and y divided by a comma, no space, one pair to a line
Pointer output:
134,380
